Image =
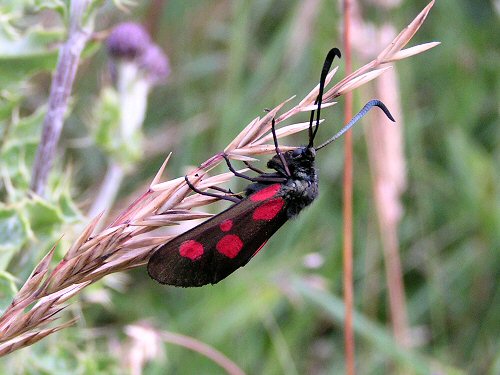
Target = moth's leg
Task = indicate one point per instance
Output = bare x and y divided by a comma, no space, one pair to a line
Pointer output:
264,179
226,191
251,167
231,198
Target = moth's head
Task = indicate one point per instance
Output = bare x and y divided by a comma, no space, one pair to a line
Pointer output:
300,160
301,154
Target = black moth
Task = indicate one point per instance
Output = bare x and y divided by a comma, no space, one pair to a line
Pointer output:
211,251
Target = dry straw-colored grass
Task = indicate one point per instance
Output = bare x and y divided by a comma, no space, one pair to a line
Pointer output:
127,242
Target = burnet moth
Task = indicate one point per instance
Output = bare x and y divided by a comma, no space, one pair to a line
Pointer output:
211,251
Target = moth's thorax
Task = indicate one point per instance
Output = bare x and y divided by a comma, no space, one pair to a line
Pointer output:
299,193
301,187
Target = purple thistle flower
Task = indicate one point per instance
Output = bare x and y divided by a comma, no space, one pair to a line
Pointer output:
155,63
128,40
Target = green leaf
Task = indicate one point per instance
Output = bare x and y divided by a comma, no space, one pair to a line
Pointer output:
58,5
18,151
43,217
23,55
107,132
8,101
16,161
7,289
68,208
107,119
34,41
14,231
28,128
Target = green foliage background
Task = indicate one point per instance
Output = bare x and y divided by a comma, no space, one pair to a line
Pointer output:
230,60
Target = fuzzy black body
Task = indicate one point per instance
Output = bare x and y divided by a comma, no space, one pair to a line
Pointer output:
301,188
211,251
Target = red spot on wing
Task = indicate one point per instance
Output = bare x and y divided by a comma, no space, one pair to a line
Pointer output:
230,245
265,193
226,225
269,210
191,249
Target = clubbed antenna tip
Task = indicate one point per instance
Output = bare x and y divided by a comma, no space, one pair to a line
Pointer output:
359,116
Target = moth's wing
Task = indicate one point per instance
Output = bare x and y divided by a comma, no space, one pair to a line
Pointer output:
253,233
216,248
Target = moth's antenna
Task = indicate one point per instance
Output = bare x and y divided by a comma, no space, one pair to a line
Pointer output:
277,148
324,72
359,116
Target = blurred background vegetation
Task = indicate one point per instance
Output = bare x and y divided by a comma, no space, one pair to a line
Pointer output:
229,60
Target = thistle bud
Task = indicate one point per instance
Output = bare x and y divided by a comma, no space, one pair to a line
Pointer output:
128,41
154,63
